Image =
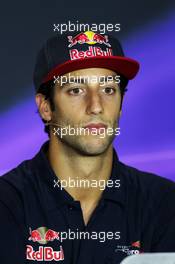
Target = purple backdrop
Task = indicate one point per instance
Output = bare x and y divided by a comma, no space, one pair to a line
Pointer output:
148,120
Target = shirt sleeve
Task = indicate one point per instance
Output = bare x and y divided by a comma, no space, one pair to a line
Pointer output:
12,244
164,235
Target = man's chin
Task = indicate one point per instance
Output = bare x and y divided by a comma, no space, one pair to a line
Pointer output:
94,147
88,146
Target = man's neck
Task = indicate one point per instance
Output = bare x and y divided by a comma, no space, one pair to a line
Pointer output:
69,164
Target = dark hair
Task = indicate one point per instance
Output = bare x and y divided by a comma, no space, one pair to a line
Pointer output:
47,89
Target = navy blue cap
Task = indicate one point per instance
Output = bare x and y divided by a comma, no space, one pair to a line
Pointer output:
64,53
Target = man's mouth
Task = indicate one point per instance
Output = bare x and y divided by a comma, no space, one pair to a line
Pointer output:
95,126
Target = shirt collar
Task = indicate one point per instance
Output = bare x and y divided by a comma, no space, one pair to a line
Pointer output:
47,176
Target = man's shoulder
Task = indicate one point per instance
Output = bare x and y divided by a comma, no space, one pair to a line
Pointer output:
17,176
12,187
135,175
27,173
147,183
15,183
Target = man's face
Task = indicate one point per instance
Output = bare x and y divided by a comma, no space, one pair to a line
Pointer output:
78,104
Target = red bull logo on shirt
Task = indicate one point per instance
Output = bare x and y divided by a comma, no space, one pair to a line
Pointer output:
44,254
43,235
88,37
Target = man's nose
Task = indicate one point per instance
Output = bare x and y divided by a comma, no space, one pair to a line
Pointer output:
94,103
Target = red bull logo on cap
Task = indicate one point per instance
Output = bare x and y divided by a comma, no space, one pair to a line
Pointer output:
91,52
88,37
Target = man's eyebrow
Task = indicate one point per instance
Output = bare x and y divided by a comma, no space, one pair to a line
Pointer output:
85,79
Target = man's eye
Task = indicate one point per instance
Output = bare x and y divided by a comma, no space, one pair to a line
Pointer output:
75,91
109,90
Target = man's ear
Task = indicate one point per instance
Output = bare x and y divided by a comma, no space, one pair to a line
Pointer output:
43,107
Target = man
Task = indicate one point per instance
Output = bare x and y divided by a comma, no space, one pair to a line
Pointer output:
75,202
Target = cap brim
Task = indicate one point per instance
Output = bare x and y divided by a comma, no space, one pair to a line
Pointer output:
121,65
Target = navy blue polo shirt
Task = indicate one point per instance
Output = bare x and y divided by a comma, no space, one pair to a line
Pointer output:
40,223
